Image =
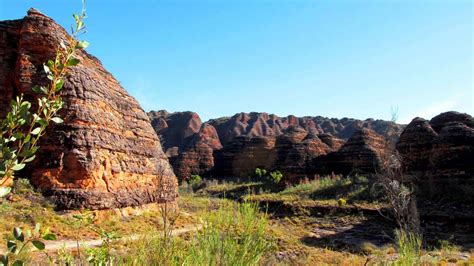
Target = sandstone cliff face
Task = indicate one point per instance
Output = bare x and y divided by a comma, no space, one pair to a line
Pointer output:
288,144
240,157
189,143
440,148
106,154
362,153
263,124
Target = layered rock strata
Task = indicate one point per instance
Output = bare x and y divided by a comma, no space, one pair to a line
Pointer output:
105,154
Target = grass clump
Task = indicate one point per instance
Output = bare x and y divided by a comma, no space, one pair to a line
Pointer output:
233,234
409,247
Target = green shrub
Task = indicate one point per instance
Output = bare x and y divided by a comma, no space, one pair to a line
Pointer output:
195,181
275,177
234,234
231,236
409,248
18,247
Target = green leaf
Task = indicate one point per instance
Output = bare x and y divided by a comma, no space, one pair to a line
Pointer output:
18,234
30,159
18,135
57,120
37,89
73,62
38,244
37,228
42,122
36,131
82,45
18,167
50,62
18,263
11,245
4,191
46,69
59,85
4,259
49,236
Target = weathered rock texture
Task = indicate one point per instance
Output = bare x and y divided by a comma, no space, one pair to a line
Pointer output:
290,144
263,124
106,154
188,142
440,148
362,153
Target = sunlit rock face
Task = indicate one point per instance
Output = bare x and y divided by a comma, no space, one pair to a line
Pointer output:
440,148
106,154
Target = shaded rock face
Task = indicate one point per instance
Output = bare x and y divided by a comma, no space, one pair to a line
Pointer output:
188,142
106,154
240,157
440,148
296,149
362,153
239,144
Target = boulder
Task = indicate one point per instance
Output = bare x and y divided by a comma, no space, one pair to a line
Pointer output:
105,154
189,143
440,148
362,153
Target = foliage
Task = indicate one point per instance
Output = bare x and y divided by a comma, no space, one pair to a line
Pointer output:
80,222
22,128
341,202
99,256
195,181
234,234
22,240
231,236
259,173
64,257
409,248
273,177
399,191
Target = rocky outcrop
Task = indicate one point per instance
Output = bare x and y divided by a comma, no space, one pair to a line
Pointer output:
188,142
106,154
250,140
296,149
440,148
362,153
243,154
263,124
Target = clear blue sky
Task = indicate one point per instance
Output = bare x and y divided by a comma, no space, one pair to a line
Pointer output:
331,58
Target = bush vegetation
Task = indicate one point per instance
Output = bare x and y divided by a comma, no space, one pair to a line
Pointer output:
233,234
22,128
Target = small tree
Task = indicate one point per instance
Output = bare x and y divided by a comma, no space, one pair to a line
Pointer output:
22,128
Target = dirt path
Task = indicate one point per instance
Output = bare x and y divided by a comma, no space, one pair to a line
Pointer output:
52,246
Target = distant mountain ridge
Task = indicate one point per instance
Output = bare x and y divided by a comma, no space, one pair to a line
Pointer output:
263,124
236,145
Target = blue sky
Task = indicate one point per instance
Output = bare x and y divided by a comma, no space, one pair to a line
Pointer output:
331,58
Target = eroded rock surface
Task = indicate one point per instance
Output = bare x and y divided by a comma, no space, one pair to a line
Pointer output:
362,153
106,154
440,148
246,141
189,143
